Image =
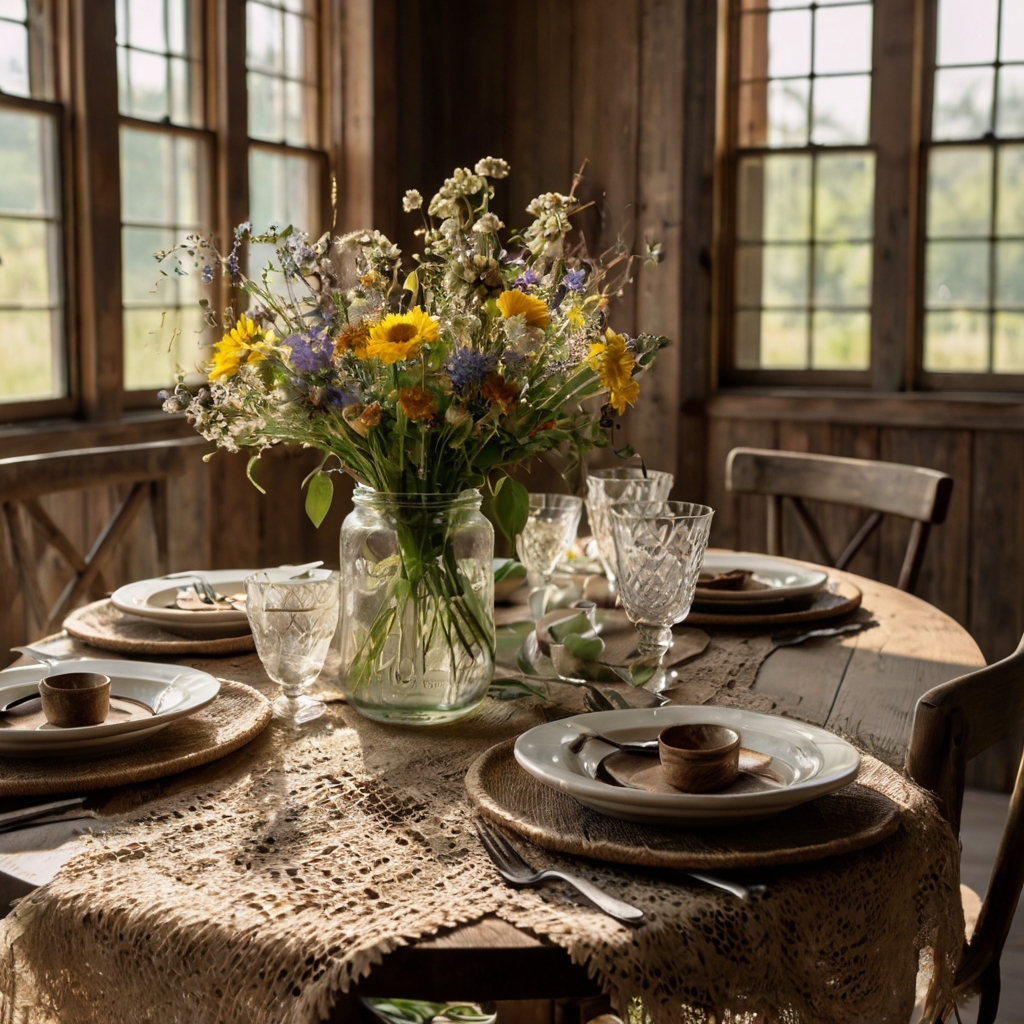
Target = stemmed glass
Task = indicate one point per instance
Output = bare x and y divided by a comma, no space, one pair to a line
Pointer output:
545,540
623,483
660,547
293,622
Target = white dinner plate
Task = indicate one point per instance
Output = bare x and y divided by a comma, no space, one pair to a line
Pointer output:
170,692
782,579
154,600
810,762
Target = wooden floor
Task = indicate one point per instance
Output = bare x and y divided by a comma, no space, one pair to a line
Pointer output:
984,814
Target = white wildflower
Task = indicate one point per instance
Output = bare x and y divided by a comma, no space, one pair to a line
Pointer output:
488,224
492,167
412,201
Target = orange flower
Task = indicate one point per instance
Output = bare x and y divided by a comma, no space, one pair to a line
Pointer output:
417,403
371,415
515,303
353,338
500,392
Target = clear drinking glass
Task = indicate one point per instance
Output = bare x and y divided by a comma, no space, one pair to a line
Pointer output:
623,483
545,540
660,546
293,622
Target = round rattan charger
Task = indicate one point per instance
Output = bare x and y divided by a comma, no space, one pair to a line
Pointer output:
850,819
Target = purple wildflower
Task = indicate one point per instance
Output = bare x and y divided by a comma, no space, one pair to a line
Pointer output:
469,368
525,280
312,354
207,274
574,280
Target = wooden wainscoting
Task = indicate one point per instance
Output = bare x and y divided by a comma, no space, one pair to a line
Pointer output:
974,566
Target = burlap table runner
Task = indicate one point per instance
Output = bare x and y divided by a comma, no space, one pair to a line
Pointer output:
286,872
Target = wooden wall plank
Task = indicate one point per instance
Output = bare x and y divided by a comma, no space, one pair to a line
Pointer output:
649,426
740,520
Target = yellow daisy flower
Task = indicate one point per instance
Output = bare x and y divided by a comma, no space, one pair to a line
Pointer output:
575,317
613,364
399,336
242,344
514,302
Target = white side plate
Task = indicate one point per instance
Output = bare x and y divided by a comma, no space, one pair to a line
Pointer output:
169,691
781,578
810,760
154,599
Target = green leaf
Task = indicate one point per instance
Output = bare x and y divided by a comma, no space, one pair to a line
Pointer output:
250,470
319,497
584,648
511,508
509,569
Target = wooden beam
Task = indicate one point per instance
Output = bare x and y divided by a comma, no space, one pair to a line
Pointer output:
94,99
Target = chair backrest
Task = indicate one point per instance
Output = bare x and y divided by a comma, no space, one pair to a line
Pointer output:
882,488
27,478
954,722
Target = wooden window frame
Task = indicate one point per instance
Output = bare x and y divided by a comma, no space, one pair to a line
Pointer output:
76,41
903,71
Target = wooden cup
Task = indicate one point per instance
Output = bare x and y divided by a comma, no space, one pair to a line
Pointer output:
72,699
699,758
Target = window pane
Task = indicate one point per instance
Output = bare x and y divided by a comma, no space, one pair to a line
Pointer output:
1010,275
1010,208
157,342
1010,111
147,195
32,340
147,85
264,38
956,341
788,109
14,58
845,200
787,197
785,269
842,40
146,25
1011,42
842,275
266,107
178,28
283,190
1008,343
783,341
841,341
842,108
14,9
28,353
967,31
956,274
959,191
963,103
789,43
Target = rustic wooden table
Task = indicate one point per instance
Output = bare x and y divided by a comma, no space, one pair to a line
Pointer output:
865,685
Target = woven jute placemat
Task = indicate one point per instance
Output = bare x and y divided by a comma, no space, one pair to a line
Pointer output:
850,819
238,715
101,625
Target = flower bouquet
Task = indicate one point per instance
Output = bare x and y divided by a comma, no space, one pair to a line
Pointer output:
426,386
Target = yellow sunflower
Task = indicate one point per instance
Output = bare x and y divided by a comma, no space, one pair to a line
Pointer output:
399,336
514,302
613,364
242,344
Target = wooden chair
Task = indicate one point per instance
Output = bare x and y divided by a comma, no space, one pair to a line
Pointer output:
881,487
27,478
953,723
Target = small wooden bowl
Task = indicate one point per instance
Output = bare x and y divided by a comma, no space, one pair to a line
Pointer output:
72,699
698,758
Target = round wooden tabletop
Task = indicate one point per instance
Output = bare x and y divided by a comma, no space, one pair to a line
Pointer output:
865,685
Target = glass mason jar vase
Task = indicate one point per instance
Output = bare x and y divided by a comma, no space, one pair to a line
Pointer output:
417,620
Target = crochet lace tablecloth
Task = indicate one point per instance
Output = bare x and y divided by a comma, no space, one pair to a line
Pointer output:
254,889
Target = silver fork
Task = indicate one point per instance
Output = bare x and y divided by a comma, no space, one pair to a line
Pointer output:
517,872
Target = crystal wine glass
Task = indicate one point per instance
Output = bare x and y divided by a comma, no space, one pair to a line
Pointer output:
545,540
660,547
623,483
293,622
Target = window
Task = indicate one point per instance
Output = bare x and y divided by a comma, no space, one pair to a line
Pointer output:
31,255
286,165
804,187
165,186
974,255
